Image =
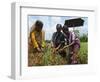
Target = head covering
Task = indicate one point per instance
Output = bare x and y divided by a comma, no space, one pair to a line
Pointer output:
39,24
58,26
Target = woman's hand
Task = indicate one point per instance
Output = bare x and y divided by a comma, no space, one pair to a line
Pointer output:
39,50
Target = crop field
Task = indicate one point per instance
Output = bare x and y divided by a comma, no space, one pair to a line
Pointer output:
47,57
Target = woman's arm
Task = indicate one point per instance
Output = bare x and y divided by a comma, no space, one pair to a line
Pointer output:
34,42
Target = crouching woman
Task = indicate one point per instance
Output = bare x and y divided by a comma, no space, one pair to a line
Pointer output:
73,45
36,37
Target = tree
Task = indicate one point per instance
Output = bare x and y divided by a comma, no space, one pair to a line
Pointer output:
84,38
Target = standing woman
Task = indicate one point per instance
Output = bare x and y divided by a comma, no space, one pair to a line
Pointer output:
73,43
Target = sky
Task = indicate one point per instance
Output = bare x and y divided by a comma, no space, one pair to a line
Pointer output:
50,22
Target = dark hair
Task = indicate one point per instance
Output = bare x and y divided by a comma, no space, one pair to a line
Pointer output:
65,28
58,26
39,24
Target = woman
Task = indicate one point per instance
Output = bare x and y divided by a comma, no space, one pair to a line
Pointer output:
37,36
58,41
73,45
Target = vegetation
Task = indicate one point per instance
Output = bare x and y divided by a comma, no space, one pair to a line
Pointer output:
83,53
84,38
49,58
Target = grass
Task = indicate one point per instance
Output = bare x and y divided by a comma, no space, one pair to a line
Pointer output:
83,53
48,58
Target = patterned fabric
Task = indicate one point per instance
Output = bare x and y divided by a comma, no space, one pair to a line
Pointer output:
73,37
37,39
73,49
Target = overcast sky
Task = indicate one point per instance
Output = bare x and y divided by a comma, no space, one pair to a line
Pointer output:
50,22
